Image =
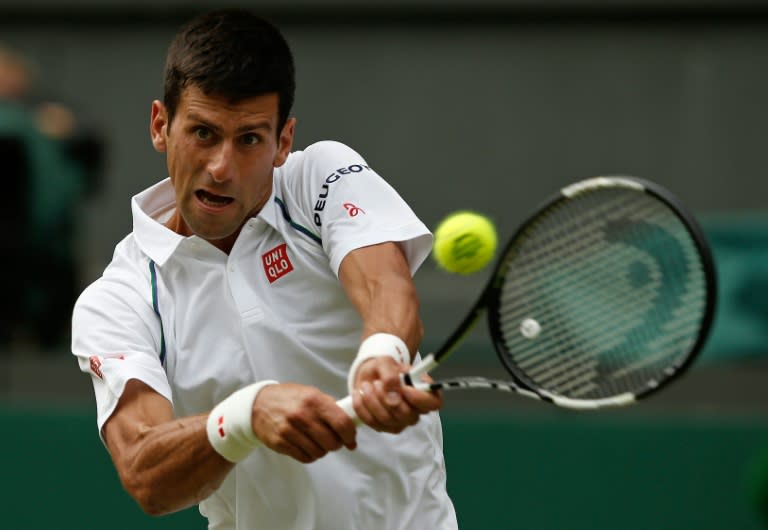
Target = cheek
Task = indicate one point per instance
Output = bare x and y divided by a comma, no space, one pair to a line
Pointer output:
256,168
181,165
259,178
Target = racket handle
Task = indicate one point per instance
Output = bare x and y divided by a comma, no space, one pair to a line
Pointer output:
426,364
346,406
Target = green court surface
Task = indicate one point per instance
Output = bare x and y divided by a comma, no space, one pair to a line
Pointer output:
523,471
575,472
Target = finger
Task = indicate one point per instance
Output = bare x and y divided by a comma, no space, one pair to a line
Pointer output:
421,400
325,436
291,446
392,399
372,402
341,425
305,446
390,376
401,414
328,427
361,409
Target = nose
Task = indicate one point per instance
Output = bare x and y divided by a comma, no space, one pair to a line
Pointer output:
221,165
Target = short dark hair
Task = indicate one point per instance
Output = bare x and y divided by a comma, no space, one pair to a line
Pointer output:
230,53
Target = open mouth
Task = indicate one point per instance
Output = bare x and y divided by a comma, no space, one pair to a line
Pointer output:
212,200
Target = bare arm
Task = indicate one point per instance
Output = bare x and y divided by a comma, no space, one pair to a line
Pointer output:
168,464
378,281
165,463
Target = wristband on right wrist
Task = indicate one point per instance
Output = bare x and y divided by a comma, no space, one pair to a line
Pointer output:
229,426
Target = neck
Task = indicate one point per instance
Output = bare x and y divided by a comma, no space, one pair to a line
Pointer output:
177,224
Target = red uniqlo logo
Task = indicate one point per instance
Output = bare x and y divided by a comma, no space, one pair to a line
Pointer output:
221,426
96,365
276,263
95,362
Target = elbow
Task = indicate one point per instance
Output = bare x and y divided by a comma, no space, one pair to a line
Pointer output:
149,507
149,499
152,509
156,499
149,502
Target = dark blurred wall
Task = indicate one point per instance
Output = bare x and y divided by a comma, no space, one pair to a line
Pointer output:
490,106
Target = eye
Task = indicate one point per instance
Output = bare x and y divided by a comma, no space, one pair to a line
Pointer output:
251,139
203,133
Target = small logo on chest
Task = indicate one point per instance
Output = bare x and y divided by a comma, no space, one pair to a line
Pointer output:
276,263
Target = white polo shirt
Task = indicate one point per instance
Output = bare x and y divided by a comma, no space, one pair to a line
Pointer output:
196,324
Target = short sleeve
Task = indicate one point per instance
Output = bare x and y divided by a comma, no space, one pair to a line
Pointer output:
352,206
116,338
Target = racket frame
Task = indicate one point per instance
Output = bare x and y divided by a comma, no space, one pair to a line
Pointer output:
487,303
489,300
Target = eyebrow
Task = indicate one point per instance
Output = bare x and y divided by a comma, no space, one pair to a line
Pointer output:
264,124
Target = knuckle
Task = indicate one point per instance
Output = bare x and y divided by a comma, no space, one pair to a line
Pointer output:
283,447
283,430
328,443
305,458
310,400
315,454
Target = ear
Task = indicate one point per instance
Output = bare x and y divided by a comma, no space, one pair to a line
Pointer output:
285,142
158,126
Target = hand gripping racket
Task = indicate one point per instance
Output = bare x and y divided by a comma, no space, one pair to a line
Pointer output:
603,296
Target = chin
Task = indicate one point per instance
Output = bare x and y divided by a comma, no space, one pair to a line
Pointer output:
214,236
209,233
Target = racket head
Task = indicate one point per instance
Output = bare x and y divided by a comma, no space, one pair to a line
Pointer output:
620,280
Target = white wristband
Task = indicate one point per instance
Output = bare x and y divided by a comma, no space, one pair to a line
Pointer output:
229,427
378,345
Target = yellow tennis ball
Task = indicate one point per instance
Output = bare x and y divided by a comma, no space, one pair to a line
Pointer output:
464,242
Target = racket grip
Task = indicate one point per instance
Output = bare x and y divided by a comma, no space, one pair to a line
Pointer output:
346,406
426,364
421,368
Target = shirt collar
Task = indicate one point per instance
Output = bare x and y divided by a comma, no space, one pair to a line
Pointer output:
151,208
154,206
269,211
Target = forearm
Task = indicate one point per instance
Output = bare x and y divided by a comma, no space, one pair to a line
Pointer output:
165,463
378,282
393,308
171,466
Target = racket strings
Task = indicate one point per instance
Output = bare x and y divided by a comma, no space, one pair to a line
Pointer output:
616,283
527,354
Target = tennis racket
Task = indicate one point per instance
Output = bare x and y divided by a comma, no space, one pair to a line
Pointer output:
602,297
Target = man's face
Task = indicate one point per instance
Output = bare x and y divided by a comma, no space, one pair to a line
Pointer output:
220,158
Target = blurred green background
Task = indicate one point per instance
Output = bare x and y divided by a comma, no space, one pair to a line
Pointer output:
490,106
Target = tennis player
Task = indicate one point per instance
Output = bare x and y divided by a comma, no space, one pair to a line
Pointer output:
257,287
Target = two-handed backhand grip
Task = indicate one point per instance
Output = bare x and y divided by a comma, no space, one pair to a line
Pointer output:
409,379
